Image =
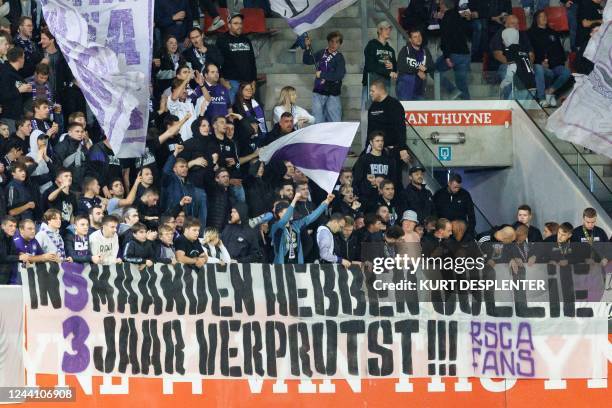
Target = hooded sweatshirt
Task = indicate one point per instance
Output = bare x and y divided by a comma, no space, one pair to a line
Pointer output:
51,241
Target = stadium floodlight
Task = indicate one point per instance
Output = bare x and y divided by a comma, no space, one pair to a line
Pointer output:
447,138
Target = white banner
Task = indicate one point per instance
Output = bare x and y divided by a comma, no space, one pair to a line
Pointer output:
305,15
308,321
11,337
108,46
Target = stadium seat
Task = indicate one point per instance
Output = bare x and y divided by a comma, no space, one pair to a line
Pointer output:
571,61
520,14
223,13
557,18
254,21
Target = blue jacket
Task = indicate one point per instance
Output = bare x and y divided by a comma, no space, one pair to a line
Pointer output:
279,238
173,188
164,10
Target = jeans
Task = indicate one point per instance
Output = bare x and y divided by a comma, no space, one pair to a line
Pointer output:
198,207
461,67
557,75
539,4
572,21
326,108
410,88
238,193
234,84
479,38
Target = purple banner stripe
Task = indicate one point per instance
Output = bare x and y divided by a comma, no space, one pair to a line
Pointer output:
313,156
314,13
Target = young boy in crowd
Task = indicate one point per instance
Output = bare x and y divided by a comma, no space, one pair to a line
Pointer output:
49,236
189,250
105,241
163,247
139,250
77,243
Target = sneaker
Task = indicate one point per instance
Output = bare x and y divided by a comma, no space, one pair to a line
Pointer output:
552,101
216,24
545,103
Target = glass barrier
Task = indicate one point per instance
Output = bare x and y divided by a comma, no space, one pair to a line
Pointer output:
428,159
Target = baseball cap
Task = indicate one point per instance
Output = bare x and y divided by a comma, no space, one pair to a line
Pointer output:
416,168
234,15
410,215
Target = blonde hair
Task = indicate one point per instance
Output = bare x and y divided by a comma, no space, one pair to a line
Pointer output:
286,95
210,234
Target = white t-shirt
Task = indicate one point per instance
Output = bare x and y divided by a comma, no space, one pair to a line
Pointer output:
107,248
180,109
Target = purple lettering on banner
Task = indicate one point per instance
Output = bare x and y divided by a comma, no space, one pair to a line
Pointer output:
122,22
94,2
490,335
76,3
524,335
490,362
475,333
73,279
505,345
526,357
78,362
136,121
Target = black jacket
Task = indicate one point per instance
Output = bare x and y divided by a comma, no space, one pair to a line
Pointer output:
77,248
546,44
212,55
242,243
137,252
219,207
10,98
455,206
159,255
346,248
71,154
103,165
389,116
8,257
419,201
453,29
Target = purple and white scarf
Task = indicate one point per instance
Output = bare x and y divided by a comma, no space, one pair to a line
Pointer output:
257,112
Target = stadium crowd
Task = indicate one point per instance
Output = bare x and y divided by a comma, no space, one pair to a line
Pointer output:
199,194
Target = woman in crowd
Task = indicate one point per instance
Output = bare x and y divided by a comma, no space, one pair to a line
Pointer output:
212,244
165,64
247,106
286,103
550,60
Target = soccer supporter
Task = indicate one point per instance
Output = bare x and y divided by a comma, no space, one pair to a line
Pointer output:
589,232
49,236
58,68
418,196
163,247
437,244
20,199
71,152
103,165
409,223
550,229
286,233
182,107
380,60
325,240
246,105
105,241
12,87
139,250
373,167
219,102
5,44
413,63
213,245
8,253
90,196
239,65
173,17
455,51
561,250
521,253
24,40
200,54
77,242
60,197
166,62
221,200
455,203
175,186
387,197
330,70
549,63
371,232
497,46
95,215
346,245
188,248
287,103
494,243
26,243
387,115
240,239
348,204
284,126
589,14
524,216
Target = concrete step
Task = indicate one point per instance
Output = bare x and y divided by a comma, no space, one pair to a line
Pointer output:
334,23
591,158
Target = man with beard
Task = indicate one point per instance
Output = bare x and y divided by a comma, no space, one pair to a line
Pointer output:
240,240
418,197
